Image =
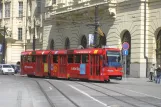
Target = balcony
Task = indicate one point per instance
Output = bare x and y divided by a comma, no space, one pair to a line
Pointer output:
48,3
77,1
60,3
64,6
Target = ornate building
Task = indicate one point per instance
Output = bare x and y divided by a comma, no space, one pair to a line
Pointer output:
18,18
68,24
64,24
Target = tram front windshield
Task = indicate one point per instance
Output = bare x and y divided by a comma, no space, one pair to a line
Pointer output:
113,58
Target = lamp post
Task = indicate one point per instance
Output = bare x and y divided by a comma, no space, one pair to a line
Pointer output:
34,37
4,45
96,25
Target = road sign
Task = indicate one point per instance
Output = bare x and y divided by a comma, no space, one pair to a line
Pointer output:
125,52
125,46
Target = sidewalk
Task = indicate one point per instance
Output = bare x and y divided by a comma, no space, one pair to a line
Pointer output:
143,81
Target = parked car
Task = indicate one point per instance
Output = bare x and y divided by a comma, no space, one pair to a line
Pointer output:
6,69
16,68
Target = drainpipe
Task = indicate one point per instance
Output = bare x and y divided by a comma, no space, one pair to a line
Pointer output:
146,58
26,25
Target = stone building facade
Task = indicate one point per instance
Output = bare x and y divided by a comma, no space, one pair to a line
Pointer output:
18,17
67,24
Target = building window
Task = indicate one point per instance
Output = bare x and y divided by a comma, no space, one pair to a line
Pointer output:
84,41
20,9
7,9
19,33
1,11
38,6
52,44
53,1
67,43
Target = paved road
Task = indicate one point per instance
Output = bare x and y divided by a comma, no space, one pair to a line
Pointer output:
21,91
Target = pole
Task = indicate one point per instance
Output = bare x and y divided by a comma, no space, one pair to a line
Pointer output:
26,25
34,37
4,45
125,67
96,25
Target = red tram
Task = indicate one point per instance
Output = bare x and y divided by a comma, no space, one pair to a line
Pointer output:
100,64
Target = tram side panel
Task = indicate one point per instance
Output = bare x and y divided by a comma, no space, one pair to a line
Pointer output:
76,67
41,65
29,66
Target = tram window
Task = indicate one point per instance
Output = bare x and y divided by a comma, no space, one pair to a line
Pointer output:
29,58
84,58
70,58
44,58
24,58
77,58
33,58
55,59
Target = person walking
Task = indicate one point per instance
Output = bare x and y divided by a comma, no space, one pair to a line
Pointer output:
152,71
158,75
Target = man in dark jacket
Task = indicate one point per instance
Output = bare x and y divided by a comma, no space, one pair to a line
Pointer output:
158,74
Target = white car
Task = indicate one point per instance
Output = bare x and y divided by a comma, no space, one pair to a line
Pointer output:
6,69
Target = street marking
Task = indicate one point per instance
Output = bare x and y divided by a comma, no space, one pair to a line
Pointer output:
89,96
50,88
144,94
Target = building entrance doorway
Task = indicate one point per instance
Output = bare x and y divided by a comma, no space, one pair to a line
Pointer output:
127,38
158,48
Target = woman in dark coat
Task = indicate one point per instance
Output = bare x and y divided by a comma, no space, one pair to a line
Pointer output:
158,74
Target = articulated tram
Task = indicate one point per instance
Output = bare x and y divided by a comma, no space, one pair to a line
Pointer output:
98,64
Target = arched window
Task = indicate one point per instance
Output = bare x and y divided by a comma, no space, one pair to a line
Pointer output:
158,48
67,43
52,44
102,40
84,41
127,38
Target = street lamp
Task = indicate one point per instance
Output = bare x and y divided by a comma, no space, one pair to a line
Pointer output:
3,47
34,37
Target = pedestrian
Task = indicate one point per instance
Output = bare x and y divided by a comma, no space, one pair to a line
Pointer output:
152,71
158,75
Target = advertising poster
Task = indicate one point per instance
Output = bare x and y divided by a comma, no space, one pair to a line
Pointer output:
91,39
1,49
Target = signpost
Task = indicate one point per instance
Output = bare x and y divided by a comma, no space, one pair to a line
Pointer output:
125,47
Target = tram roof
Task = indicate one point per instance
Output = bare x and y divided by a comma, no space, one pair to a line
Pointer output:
59,51
83,51
37,52
88,51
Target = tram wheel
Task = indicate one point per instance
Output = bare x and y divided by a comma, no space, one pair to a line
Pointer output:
107,81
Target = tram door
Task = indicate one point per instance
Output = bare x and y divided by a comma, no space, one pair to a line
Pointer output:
95,66
50,67
62,66
38,65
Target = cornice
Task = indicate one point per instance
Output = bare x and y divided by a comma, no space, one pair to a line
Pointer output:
81,10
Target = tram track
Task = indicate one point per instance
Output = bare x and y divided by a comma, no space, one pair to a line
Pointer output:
126,95
63,93
134,105
45,94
